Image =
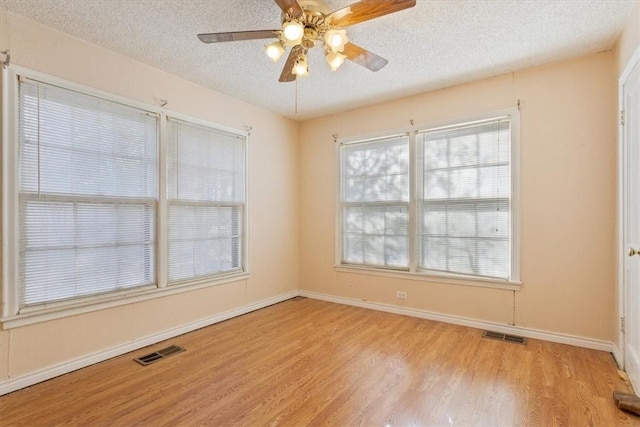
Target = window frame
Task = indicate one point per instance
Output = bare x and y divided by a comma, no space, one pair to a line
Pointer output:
11,313
414,272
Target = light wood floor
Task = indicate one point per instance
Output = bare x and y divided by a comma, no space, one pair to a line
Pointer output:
308,362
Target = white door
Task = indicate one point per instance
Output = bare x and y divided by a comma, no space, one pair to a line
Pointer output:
631,224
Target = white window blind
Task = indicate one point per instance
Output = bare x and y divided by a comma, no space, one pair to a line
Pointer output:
87,194
375,202
464,199
206,191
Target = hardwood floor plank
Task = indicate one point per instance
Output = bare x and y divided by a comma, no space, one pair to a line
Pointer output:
309,362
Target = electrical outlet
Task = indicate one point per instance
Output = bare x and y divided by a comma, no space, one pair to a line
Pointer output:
401,295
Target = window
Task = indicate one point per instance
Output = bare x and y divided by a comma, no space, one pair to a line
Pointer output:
87,195
438,201
463,199
92,213
206,200
375,208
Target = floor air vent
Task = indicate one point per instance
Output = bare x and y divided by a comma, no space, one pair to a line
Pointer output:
148,359
504,337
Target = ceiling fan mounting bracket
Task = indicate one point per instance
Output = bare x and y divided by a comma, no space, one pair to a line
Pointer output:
317,6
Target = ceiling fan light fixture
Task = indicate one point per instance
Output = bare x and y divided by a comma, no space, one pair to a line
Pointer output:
292,31
301,67
274,50
335,60
335,40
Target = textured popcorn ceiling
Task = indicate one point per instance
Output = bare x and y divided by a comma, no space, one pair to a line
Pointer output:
436,44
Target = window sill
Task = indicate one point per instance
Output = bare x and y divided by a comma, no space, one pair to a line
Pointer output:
72,308
451,279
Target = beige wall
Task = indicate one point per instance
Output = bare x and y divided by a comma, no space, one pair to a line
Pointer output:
273,159
568,184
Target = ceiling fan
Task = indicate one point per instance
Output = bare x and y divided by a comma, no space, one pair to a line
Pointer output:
310,23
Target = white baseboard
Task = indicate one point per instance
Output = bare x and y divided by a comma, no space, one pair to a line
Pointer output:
617,354
472,323
27,380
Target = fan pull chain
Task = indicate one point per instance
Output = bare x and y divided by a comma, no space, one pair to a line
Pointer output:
296,103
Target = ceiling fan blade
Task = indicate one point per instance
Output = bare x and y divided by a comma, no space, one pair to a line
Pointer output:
287,71
237,35
292,7
364,57
366,10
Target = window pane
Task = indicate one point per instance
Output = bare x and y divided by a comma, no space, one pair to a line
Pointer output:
205,164
71,143
376,171
72,249
376,235
353,248
203,241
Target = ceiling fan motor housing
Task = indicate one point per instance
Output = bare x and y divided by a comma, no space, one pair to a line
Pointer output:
314,23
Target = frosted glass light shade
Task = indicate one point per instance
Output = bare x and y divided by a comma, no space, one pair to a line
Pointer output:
292,31
335,60
274,50
301,68
335,40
